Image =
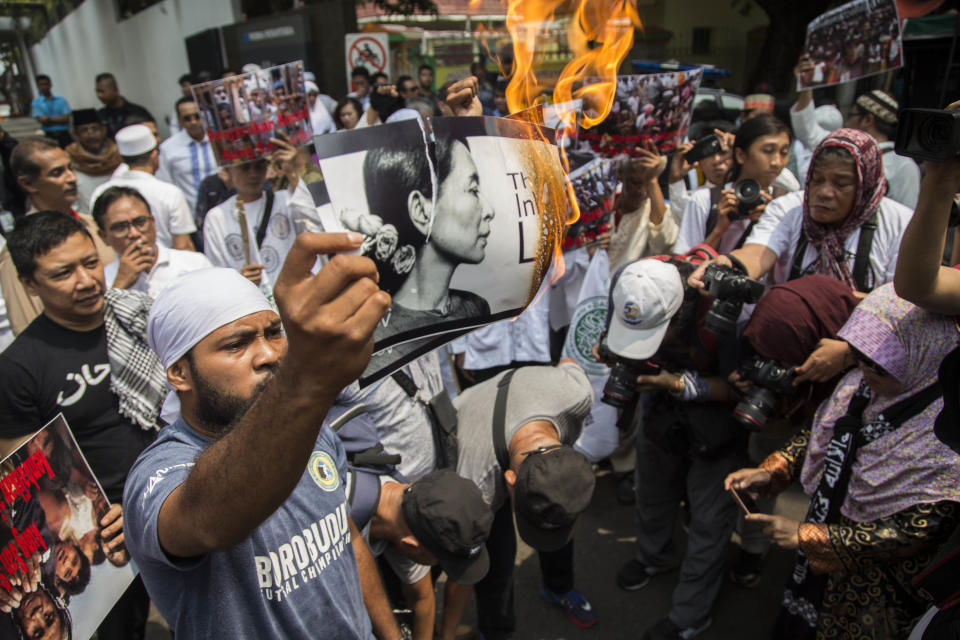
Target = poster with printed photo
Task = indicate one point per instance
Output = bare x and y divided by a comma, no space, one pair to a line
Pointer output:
242,113
654,107
595,187
463,229
57,577
855,40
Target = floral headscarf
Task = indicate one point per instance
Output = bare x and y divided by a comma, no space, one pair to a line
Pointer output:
871,186
908,466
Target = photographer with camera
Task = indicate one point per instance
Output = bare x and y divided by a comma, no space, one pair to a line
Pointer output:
685,446
841,226
712,152
723,218
884,492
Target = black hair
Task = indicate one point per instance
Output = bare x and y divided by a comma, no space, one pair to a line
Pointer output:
340,105
402,79
183,100
138,160
424,66
360,71
381,74
674,351
106,76
43,76
751,131
390,173
500,86
136,118
831,153
185,78
39,234
111,195
22,164
79,583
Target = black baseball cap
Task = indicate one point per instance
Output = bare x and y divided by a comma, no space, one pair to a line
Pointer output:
554,486
449,517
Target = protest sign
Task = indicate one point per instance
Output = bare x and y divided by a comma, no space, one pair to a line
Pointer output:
595,187
463,229
51,552
855,40
655,107
242,113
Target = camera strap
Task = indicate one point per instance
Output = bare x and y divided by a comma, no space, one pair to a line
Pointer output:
262,229
712,217
500,421
861,262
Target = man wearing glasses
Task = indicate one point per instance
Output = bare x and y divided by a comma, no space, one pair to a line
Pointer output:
173,217
186,158
874,113
126,224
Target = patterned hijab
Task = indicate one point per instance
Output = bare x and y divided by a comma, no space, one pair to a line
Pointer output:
871,186
908,466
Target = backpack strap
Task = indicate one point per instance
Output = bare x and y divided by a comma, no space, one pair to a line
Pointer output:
861,263
499,421
796,267
262,229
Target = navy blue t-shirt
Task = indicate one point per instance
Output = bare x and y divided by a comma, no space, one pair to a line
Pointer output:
294,577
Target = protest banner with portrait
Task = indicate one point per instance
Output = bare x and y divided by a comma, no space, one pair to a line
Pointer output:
654,107
243,112
463,229
595,187
57,577
858,39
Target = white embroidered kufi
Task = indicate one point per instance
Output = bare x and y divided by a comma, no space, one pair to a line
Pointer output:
197,304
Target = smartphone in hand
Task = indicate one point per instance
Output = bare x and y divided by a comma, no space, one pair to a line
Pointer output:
744,500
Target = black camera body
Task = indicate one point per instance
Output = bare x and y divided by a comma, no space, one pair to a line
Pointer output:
620,390
749,195
731,289
704,148
928,134
770,383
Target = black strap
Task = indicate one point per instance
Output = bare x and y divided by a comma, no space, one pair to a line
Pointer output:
500,420
909,407
406,383
262,229
861,262
746,234
713,215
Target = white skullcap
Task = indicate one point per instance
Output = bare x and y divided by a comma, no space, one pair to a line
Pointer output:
197,304
135,140
311,86
828,117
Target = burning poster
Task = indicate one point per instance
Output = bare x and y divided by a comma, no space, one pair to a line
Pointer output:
243,112
655,107
595,186
57,578
858,39
463,229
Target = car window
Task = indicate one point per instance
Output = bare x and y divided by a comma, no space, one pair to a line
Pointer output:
701,98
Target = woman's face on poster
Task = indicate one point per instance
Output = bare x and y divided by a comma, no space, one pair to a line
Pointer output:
462,221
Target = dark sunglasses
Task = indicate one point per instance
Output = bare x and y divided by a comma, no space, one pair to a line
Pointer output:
868,364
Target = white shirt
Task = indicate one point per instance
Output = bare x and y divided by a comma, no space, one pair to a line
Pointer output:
186,162
170,265
779,230
6,333
694,225
902,174
566,290
86,185
525,338
167,203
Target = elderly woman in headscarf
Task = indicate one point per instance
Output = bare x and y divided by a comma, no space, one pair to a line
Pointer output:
840,226
884,490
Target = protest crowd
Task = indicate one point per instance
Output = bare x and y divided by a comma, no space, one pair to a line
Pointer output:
775,309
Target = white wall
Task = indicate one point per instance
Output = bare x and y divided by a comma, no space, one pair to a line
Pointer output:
146,53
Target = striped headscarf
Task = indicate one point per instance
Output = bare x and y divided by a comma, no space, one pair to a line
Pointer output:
871,186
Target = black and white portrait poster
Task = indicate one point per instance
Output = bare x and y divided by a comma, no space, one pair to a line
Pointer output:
657,107
241,113
595,187
463,227
857,39
57,579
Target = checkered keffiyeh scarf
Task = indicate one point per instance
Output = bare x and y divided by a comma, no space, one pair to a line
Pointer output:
136,375
829,240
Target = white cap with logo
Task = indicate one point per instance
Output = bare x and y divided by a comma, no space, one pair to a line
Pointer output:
644,296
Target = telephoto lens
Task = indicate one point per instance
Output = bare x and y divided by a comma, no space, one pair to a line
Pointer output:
771,381
748,192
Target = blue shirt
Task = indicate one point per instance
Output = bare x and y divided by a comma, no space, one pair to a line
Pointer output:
52,106
294,577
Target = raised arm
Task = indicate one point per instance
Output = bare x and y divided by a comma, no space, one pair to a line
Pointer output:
329,320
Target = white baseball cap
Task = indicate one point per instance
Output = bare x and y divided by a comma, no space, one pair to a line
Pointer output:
644,296
135,140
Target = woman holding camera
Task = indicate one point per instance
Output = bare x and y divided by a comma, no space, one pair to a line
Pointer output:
884,491
717,216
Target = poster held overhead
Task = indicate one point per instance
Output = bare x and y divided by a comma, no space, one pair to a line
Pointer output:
242,113
51,552
463,228
858,39
595,187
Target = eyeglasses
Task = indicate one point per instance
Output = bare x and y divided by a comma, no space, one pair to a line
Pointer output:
122,229
541,450
868,364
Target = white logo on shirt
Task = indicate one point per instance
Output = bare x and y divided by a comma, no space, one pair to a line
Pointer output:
83,379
